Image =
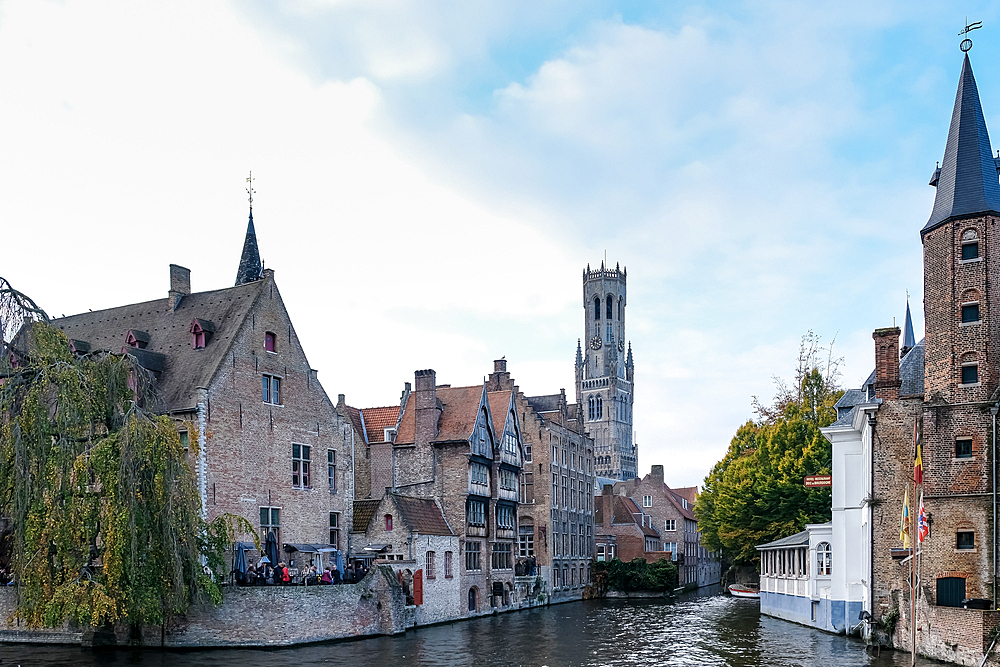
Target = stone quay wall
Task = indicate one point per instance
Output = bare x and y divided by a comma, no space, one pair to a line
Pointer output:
260,616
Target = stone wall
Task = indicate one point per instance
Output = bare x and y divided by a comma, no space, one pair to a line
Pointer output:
258,616
951,634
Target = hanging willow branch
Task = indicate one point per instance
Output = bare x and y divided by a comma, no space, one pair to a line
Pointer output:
103,506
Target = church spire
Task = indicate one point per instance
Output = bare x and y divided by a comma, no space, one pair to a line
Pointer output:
967,181
908,339
250,267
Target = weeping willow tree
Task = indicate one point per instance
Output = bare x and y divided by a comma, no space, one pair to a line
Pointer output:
104,518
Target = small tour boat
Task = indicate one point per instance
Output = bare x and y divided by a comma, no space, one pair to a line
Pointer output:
744,590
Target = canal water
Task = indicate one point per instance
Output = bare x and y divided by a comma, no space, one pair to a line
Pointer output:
696,630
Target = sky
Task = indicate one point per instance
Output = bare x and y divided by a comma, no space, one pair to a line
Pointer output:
432,178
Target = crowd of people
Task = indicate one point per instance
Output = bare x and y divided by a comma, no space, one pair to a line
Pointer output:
263,574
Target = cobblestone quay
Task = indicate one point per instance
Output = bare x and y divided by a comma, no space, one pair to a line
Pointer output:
699,630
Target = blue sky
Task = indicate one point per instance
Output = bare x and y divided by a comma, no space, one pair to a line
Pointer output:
432,178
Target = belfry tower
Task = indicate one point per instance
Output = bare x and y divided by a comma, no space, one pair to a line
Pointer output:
605,372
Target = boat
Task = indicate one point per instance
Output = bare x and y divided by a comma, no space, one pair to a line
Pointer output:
744,590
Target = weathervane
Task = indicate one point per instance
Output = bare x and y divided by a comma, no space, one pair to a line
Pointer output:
966,44
250,189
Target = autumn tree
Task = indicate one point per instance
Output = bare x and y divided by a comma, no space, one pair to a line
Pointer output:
103,518
755,494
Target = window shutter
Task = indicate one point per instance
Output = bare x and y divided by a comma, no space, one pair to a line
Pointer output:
418,587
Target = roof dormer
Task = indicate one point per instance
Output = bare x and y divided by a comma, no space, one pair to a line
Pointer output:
137,339
201,332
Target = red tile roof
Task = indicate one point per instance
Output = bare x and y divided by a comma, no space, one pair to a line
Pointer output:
459,408
376,420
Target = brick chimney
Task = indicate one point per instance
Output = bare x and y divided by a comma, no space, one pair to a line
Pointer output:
180,285
499,378
607,505
887,380
426,410
656,473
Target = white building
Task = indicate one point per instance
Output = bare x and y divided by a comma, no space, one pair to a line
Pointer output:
821,576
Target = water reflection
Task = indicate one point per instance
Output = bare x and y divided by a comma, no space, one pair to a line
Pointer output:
699,630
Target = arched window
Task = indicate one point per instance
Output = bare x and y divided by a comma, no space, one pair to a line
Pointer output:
611,308
590,408
388,522
621,309
472,599
823,559
597,307
600,408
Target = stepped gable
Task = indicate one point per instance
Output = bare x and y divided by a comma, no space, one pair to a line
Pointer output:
184,368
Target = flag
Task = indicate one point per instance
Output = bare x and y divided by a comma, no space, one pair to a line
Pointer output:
904,520
918,464
922,528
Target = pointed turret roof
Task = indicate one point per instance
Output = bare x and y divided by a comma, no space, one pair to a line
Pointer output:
967,182
579,353
908,340
250,266
628,360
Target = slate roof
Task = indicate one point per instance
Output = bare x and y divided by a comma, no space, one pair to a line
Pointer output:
422,515
364,512
796,540
911,371
250,267
183,369
459,409
845,406
548,403
967,183
908,340
376,420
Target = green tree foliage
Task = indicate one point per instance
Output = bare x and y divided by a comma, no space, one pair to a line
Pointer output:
636,575
105,516
755,494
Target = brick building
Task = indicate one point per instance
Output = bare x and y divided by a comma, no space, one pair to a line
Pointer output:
605,374
954,410
674,519
231,371
624,531
556,513
462,448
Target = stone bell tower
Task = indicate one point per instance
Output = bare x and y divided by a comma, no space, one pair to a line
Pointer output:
605,373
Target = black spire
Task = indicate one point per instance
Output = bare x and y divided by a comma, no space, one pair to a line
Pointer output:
250,266
908,338
967,181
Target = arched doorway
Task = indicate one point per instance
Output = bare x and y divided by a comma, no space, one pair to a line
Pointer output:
473,598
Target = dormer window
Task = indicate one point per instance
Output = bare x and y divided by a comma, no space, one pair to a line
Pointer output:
201,333
269,340
137,339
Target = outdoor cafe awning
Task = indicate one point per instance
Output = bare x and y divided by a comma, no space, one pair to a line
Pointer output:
247,546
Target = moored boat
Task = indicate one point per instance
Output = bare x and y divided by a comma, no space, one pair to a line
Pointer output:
744,590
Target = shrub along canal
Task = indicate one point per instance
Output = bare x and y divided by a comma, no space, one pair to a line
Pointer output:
696,630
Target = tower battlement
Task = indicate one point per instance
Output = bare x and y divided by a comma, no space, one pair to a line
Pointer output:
604,273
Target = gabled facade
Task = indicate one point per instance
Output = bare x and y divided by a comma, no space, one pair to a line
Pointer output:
555,511
462,446
624,531
231,371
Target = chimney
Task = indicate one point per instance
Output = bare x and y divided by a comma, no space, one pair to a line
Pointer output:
341,401
499,378
887,380
656,472
426,409
180,285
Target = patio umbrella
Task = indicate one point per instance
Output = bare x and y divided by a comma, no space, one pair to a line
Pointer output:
240,563
271,547
340,564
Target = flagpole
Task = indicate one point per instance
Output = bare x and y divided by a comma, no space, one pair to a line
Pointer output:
913,583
